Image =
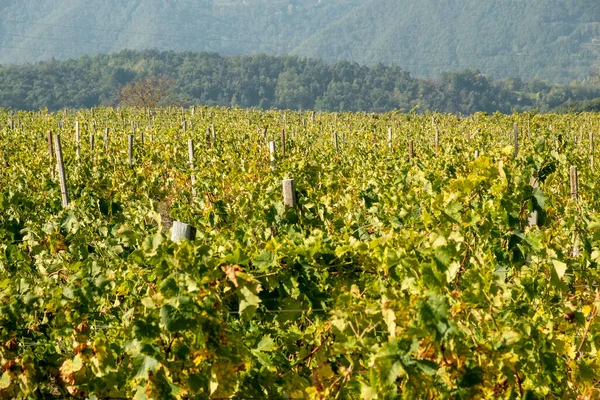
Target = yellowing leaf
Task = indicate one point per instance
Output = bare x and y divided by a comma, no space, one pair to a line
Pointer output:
5,380
560,268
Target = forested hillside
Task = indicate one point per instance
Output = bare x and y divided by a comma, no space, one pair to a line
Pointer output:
283,82
547,39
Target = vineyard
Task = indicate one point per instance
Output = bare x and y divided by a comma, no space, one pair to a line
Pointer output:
412,256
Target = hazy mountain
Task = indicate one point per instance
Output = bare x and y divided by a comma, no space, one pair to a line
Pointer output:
550,39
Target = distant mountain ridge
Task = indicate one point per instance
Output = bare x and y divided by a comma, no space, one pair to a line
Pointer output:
547,39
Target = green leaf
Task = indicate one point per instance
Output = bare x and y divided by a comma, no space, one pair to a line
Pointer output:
249,303
266,344
143,365
174,319
70,223
540,198
264,260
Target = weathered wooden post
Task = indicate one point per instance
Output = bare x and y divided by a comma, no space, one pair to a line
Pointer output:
77,137
191,159
390,137
106,133
61,171
411,149
573,182
335,142
516,139
591,138
532,219
51,152
181,231
289,193
130,149
437,139
92,141
283,142
272,155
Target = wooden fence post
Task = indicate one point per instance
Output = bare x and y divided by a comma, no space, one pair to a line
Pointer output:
272,155
390,137
77,137
411,149
574,182
283,142
335,142
51,152
437,139
191,158
516,139
532,219
130,149
61,172
289,193
106,133
591,138
92,141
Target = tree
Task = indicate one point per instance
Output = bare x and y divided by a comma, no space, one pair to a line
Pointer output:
148,92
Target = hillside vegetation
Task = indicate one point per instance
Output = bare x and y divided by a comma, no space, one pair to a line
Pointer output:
272,82
546,39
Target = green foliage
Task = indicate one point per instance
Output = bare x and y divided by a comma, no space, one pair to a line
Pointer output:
260,81
546,39
394,278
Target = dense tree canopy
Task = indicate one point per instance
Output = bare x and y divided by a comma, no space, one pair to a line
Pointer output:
263,81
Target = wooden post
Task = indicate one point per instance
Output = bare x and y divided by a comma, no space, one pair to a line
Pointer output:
516,139
181,231
574,182
272,153
437,139
289,193
50,146
208,141
532,219
77,137
61,172
411,149
528,130
142,137
130,149
283,142
335,142
591,138
191,158
106,133
213,135
51,152
390,137
92,141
